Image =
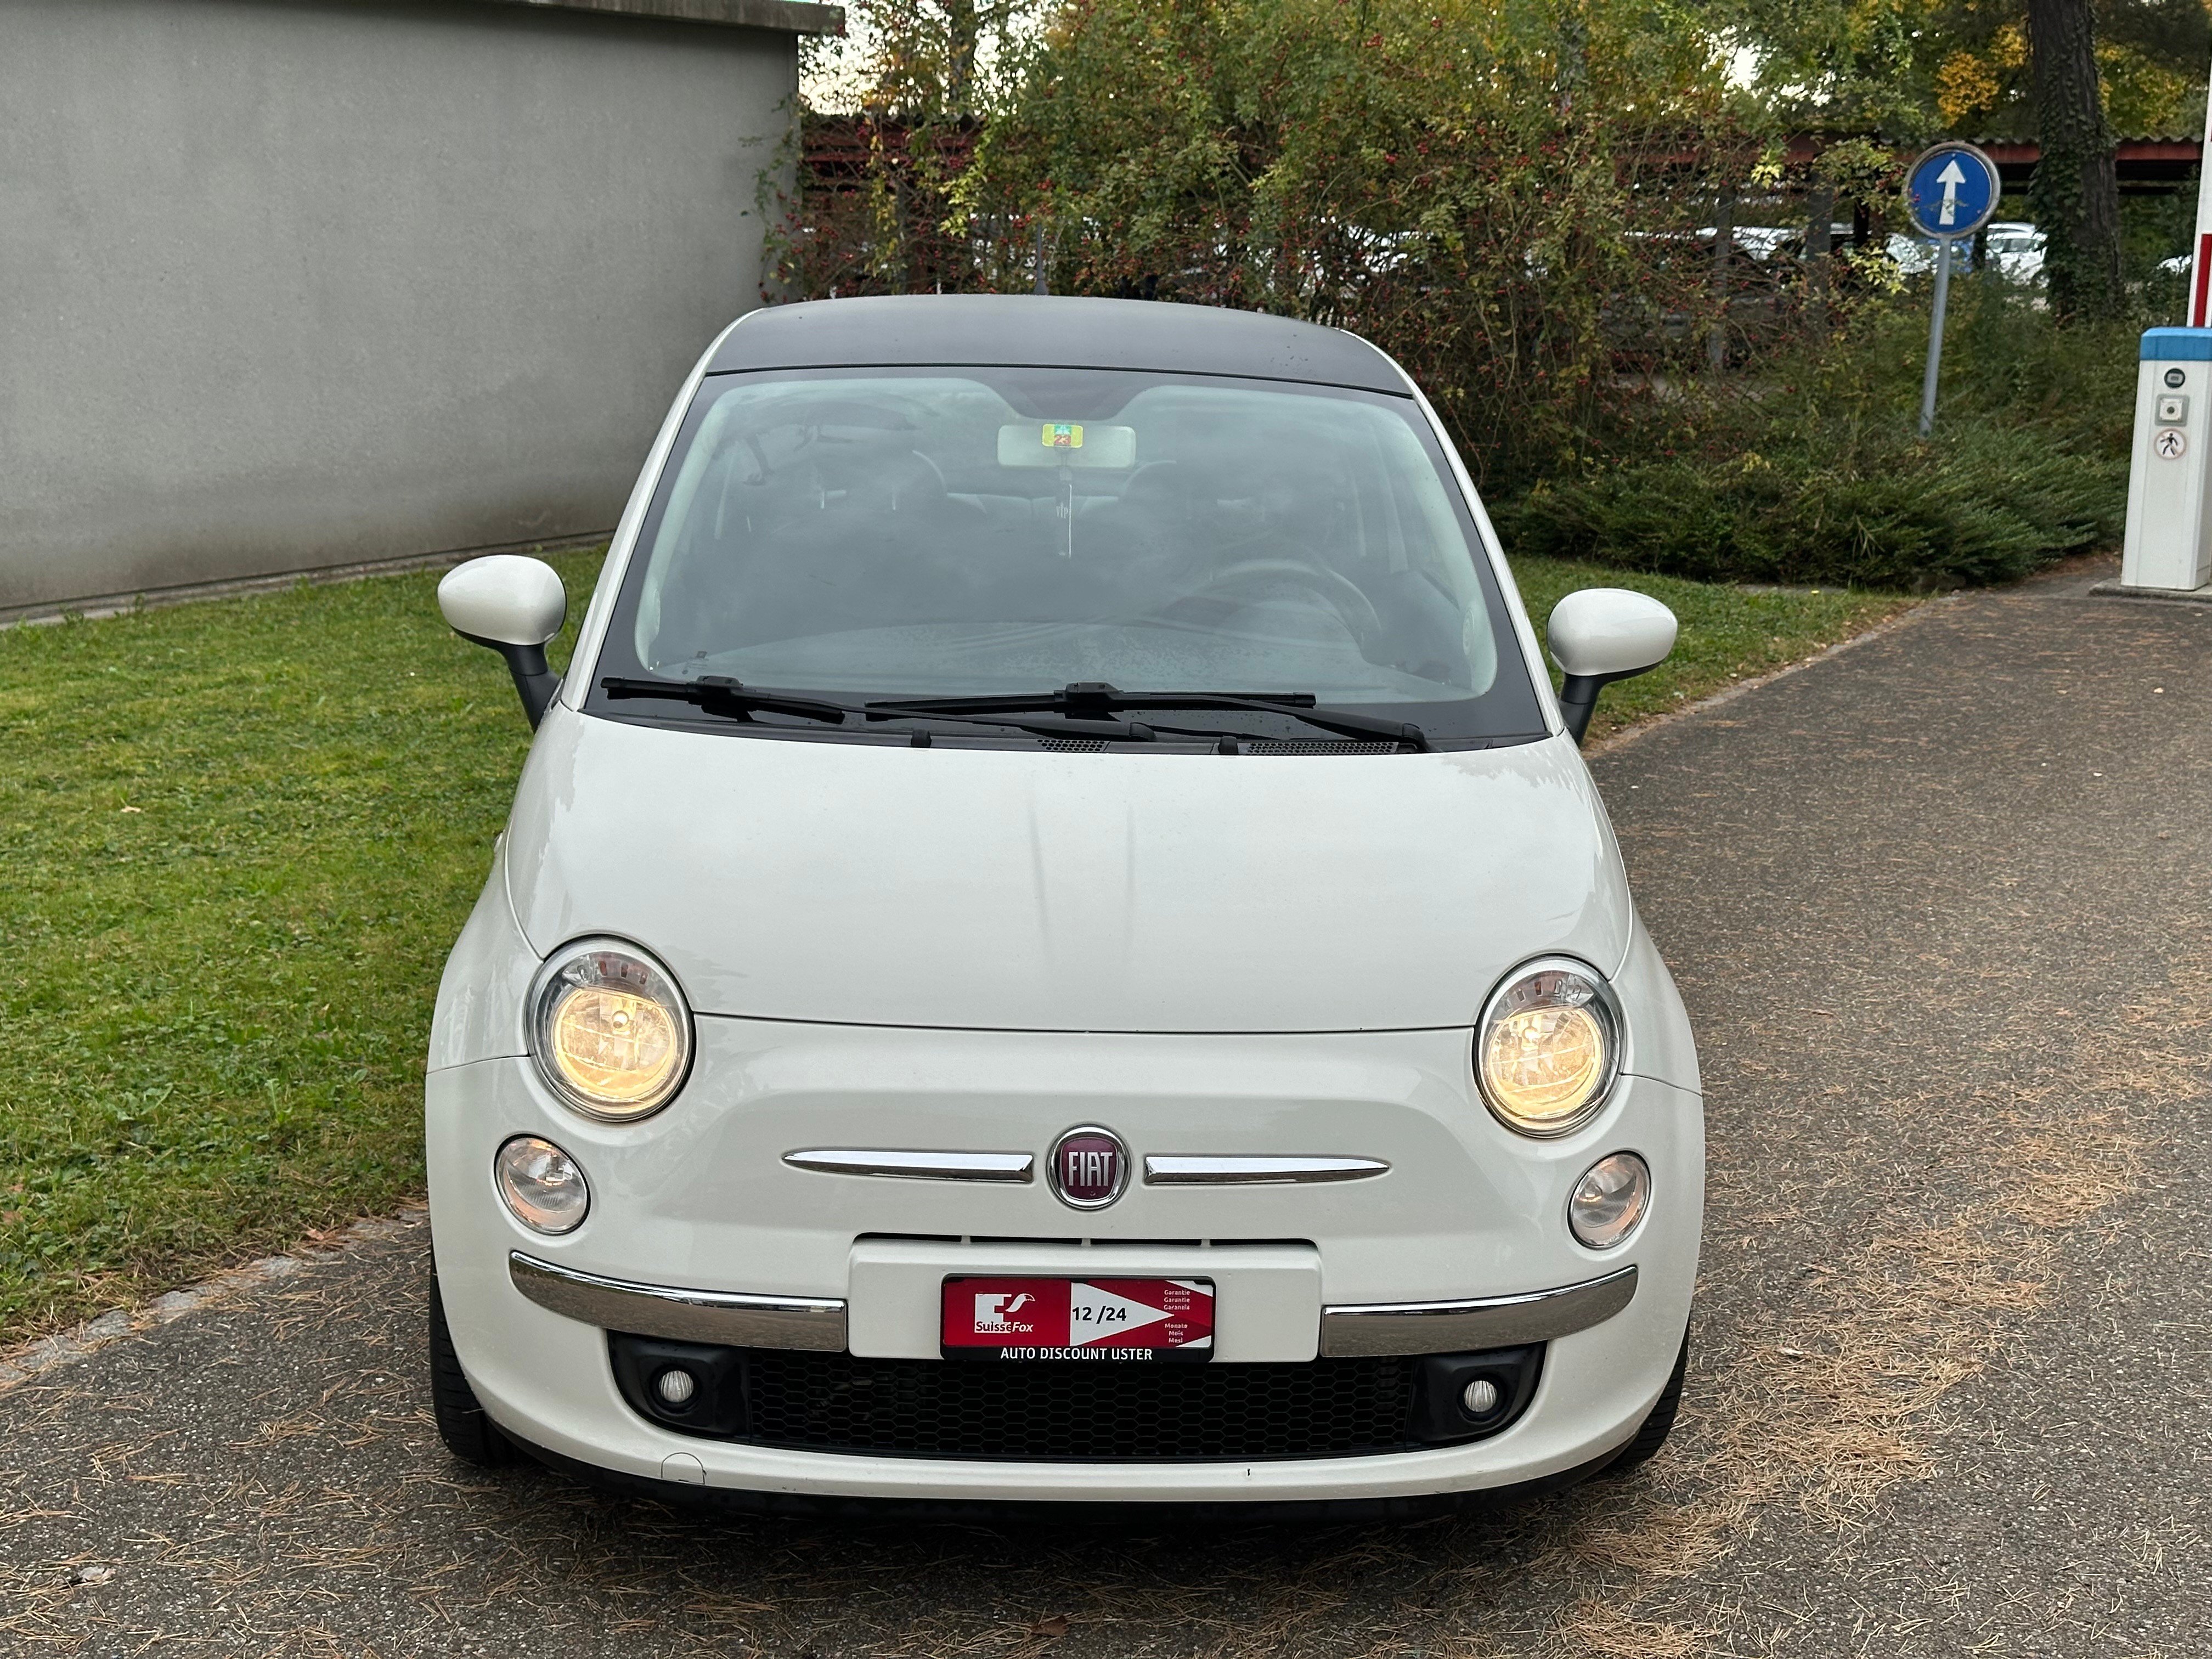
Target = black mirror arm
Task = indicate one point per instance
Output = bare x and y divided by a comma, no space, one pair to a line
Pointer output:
535,682
1578,698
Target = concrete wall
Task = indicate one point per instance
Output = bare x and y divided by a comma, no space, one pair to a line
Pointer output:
287,284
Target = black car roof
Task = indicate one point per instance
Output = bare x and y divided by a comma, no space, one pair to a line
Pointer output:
1050,331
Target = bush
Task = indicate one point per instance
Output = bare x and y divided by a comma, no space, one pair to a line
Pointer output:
1484,188
1812,473
1987,505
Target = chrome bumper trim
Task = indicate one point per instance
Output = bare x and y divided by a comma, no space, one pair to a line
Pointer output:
918,1166
1257,1170
732,1317
1499,1322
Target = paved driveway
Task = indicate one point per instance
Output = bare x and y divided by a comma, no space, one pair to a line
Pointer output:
1940,905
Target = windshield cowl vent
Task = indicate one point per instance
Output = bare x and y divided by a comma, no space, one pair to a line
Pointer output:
1320,748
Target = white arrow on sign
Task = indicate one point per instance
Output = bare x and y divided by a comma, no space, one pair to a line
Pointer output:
1951,177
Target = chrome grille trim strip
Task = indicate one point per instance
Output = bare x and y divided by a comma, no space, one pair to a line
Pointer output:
733,1317
1256,1170
1370,1329
917,1166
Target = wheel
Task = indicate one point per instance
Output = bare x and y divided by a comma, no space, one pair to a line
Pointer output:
468,1431
1656,1426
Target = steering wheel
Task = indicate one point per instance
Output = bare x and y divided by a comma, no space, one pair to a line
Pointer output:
1343,597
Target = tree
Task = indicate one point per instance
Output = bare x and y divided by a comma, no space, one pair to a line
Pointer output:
2068,71
2076,194
1913,71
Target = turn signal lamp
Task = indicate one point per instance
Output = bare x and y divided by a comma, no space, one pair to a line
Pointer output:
609,1032
541,1185
1547,1049
1609,1199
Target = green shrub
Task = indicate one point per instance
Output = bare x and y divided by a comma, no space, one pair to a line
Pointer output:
1809,471
1989,504
1487,189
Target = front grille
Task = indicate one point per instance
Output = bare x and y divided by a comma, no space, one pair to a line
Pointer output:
1093,1411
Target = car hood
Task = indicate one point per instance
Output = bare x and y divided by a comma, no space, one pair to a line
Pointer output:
1030,889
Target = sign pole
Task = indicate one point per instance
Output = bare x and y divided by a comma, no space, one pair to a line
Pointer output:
1951,191
1935,334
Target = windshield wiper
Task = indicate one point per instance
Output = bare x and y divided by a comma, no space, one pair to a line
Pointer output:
734,700
1094,700
718,696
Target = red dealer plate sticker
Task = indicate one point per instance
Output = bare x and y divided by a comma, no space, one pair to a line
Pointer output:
1078,1319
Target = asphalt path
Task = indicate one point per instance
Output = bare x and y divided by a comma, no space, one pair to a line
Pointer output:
1939,906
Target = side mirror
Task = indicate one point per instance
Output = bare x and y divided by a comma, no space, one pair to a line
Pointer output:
1602,634
514,605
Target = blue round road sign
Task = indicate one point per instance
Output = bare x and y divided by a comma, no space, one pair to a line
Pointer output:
1952,190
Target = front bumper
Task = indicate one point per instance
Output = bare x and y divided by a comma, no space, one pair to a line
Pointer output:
700,1202
823,1324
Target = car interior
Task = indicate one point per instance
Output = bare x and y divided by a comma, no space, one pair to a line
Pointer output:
895,508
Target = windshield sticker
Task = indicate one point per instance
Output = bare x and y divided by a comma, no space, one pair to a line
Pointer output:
1068,443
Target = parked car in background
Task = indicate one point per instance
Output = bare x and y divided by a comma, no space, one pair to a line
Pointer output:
2015,249
1762,242
1055,944
1911,255
1915,256
1788,242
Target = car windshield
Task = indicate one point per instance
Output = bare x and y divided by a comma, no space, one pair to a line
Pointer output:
966,532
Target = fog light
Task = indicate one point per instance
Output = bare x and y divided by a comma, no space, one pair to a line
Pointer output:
675,1386
1609,1201
1459,1397
542,1185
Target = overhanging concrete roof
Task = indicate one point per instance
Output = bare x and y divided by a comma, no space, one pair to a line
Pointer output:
791,16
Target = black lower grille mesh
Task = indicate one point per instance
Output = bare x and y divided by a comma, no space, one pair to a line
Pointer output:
1082,1412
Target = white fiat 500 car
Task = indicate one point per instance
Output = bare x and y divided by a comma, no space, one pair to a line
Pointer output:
1055,944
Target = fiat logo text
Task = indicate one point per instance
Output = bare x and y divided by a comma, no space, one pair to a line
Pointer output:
1089,1167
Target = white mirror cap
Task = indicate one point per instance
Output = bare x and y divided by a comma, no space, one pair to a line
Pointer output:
506,599
1610,630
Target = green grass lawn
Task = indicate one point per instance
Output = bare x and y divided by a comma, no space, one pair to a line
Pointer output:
1729,634
238,838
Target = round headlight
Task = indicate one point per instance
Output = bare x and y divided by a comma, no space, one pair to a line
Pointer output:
1609,1201
541,1185
609,1031
1547,1046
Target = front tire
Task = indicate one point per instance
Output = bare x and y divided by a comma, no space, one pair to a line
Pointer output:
1659,1424
463,1423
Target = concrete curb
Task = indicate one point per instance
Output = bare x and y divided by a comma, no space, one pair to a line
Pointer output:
35,1359
2119,590
1728,694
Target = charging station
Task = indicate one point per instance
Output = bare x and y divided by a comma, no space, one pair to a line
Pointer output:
2168,549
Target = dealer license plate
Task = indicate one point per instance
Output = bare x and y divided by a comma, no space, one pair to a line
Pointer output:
1078,1319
